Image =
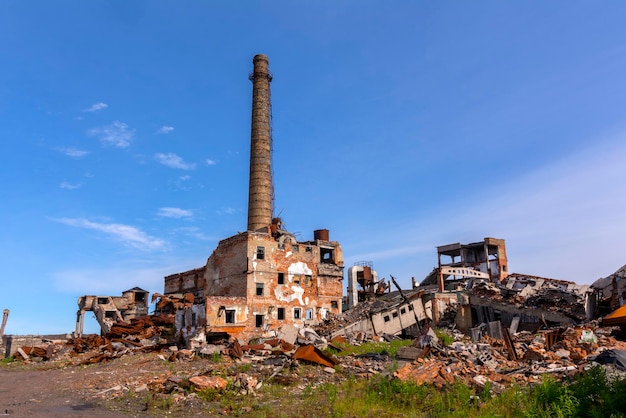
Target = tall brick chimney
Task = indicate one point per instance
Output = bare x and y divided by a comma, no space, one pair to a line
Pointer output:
260,192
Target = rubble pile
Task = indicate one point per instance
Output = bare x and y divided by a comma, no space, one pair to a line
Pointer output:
557,351
146,333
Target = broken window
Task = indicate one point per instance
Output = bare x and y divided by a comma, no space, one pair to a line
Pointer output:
103,301
141,297
259,289
258,320
402,311
386,318
410,307
281,278
395,314
307,280
327,255
334,304
308,249
230,316
281,313
109,314
260,253
295,248
297,313
309,314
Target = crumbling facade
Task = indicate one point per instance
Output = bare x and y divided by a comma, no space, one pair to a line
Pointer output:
363,283
256,282
110,309
486,260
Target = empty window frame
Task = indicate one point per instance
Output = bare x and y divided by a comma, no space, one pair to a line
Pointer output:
402,311
334,304
229,317
395,314
307,280
281,314
258,321
297,313
386,318
281,278
327,255
141,297
259,289
295,248
260,253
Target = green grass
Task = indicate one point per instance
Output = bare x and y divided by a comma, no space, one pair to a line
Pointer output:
371,347
445,338
7,360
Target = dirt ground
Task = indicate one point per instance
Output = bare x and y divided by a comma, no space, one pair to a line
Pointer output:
27,392
138,385
118,388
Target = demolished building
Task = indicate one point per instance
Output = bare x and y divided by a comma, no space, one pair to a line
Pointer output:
109,310
260,280
472,290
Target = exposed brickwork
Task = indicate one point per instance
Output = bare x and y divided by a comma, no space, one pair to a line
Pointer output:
254,284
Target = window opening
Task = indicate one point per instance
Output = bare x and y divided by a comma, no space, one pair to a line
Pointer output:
309,314
327,255
297,313
260,253
281,278
258,320
230,316
281,313
259,289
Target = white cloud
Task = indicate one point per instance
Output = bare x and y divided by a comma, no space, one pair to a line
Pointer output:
174,161
175,213
210,162
165,130
96,106
195,232
112,280
116,134
129,235
227,211
564,221
184,178
73,152
69,186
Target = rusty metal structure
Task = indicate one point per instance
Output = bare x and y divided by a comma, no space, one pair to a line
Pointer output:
261,282
260,194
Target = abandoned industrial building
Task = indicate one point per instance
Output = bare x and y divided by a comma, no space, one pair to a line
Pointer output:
262,280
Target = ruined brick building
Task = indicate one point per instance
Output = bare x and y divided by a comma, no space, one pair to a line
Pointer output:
258,282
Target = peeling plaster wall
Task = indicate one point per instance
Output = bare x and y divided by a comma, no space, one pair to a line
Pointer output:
244,273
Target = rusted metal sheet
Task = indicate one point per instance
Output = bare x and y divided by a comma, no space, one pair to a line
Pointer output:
314,355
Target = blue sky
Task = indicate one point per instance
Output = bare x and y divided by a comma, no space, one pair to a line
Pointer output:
399,126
